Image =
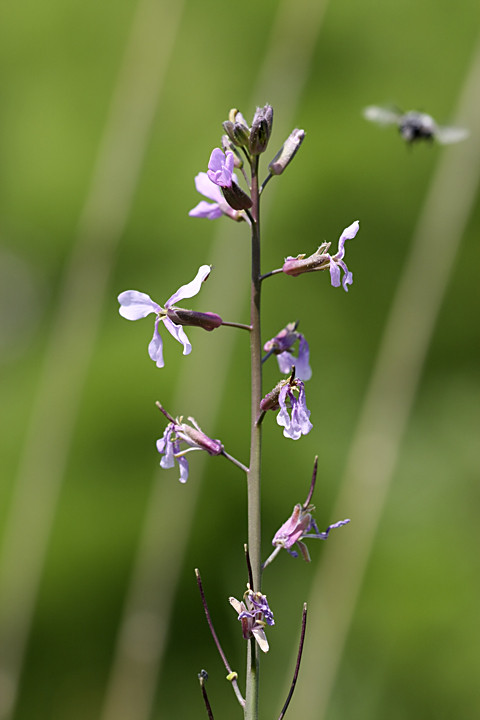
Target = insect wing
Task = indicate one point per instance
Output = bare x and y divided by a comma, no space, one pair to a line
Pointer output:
381,116
449,135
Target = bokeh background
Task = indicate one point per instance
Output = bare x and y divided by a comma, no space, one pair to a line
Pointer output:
107,112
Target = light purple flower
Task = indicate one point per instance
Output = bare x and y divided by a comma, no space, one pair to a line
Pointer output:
299,526
321,260
177,432
254,613
135,305
220,168
282,343
219,207
297,423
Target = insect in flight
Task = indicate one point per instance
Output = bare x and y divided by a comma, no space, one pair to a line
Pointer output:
415,125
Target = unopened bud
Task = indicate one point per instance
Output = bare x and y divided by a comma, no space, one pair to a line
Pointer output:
261,130
287,152
236,128
236,197
228,145
207,321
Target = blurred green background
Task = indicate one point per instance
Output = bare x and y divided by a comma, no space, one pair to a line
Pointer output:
413,650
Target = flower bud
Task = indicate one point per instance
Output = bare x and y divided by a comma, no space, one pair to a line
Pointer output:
261,130
236,128
228,145
207,321
287,152
236,197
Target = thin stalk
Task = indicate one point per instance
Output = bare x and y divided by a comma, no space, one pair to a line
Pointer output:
231,675
254,528
235,461
237,325
272,272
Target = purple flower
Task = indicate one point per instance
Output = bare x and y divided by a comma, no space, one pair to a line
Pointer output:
135,305
220,168
169,445
254,613
219,207
297,423
299,526
282,343
321,260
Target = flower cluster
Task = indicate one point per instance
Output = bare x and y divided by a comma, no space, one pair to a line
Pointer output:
177,432
135,305
254,613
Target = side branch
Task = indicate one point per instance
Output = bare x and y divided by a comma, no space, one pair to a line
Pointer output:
232,675
272,272
237,325
297,667
235,461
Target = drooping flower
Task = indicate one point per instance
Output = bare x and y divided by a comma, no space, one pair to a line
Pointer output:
177,432
283,396
219,207
281,345
135,305
254,613
321,260
297,423
301,525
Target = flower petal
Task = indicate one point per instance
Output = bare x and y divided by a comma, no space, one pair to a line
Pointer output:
165,446
206,210
155,348
183,464
179,334
334,274
135,305
302,364
261,638
206,187
285,362
283,418
348,234
191,289
220,168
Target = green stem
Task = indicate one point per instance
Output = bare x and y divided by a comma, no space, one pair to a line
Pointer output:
254,527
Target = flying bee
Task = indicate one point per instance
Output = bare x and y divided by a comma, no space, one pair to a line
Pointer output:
414,126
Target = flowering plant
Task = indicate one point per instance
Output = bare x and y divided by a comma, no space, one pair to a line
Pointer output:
242,146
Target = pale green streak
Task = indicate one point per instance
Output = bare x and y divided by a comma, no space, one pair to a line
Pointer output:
386,410
75,328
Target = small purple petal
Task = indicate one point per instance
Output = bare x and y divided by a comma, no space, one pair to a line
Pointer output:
334,274
183,464
165,447
179,334
206,187
301,414
155,348
192,288
348,234
135,305
286,362
283,418
302,364
206,210
220,168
